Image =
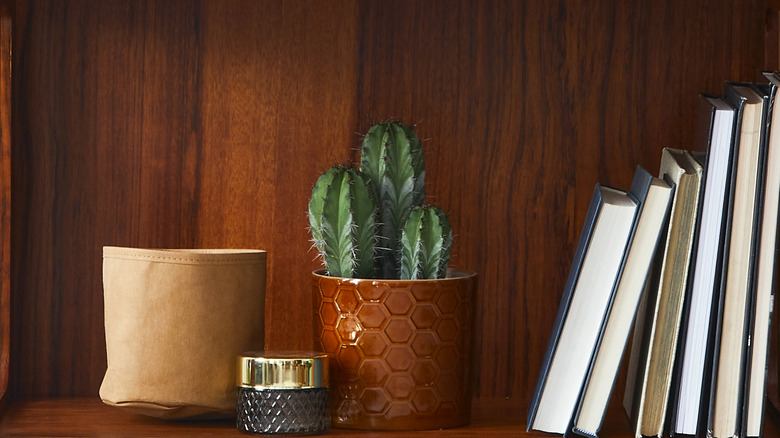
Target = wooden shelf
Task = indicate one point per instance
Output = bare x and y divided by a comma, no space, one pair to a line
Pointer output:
90,417
184,124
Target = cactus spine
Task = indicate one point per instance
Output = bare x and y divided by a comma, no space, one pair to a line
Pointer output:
391,158
425,244
342,221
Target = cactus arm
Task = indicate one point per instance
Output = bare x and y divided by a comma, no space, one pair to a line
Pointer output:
446,231
364,213
399,181
418,164
431,240
396,194
372,156
316,205
337,225
425,244
392,159
373,164
410,246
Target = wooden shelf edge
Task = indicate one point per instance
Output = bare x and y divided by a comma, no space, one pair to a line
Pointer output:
90,417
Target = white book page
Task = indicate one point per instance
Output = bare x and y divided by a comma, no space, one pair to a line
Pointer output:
704,274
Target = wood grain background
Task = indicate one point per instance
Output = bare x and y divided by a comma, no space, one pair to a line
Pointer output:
5,198
205,124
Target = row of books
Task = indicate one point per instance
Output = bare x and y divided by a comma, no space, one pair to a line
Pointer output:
688,259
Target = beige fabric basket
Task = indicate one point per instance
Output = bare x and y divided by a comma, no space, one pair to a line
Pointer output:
175,322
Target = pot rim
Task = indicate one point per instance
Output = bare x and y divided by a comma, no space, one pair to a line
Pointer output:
452,275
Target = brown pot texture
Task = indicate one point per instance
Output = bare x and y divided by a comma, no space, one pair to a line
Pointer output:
400,350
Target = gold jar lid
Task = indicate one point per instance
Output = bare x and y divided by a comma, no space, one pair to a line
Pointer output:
282,370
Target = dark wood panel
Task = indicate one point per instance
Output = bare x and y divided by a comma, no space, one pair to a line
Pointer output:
168,124
525,106
107,99
5,196
278,108
205,124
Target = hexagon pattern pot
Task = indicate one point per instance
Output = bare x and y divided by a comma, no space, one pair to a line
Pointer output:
400,350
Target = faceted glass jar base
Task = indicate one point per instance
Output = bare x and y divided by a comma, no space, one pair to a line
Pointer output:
283,411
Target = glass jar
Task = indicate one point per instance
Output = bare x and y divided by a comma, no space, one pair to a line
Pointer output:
283,393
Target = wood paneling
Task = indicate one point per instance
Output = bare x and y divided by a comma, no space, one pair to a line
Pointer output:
278,108
205,124
5,196
167,124
527,105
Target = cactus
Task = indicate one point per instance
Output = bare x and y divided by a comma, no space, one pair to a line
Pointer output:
425,244
342,221
391,158
370,223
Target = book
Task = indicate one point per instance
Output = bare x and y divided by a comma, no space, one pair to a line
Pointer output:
654,199
587,293
688,405
647,395
731,354
641,337
764,294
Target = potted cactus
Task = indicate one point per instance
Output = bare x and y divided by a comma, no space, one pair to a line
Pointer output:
394,319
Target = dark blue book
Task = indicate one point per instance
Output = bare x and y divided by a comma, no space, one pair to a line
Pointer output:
587,295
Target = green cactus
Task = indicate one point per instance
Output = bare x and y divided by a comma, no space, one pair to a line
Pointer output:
342,221
425,244
391,158
370,223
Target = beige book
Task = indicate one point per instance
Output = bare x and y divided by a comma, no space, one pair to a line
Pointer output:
766,270
728,379
647,397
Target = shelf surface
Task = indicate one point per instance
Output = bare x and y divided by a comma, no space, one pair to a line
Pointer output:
90,417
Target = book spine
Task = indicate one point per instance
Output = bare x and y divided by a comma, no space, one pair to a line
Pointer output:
754,254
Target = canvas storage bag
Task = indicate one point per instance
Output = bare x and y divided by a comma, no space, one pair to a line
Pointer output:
175,322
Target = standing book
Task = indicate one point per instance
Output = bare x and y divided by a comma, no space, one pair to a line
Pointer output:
733,331
651,367
689,398
764,297
654,197
589,288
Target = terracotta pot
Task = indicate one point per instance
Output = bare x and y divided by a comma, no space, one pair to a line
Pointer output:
400,350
